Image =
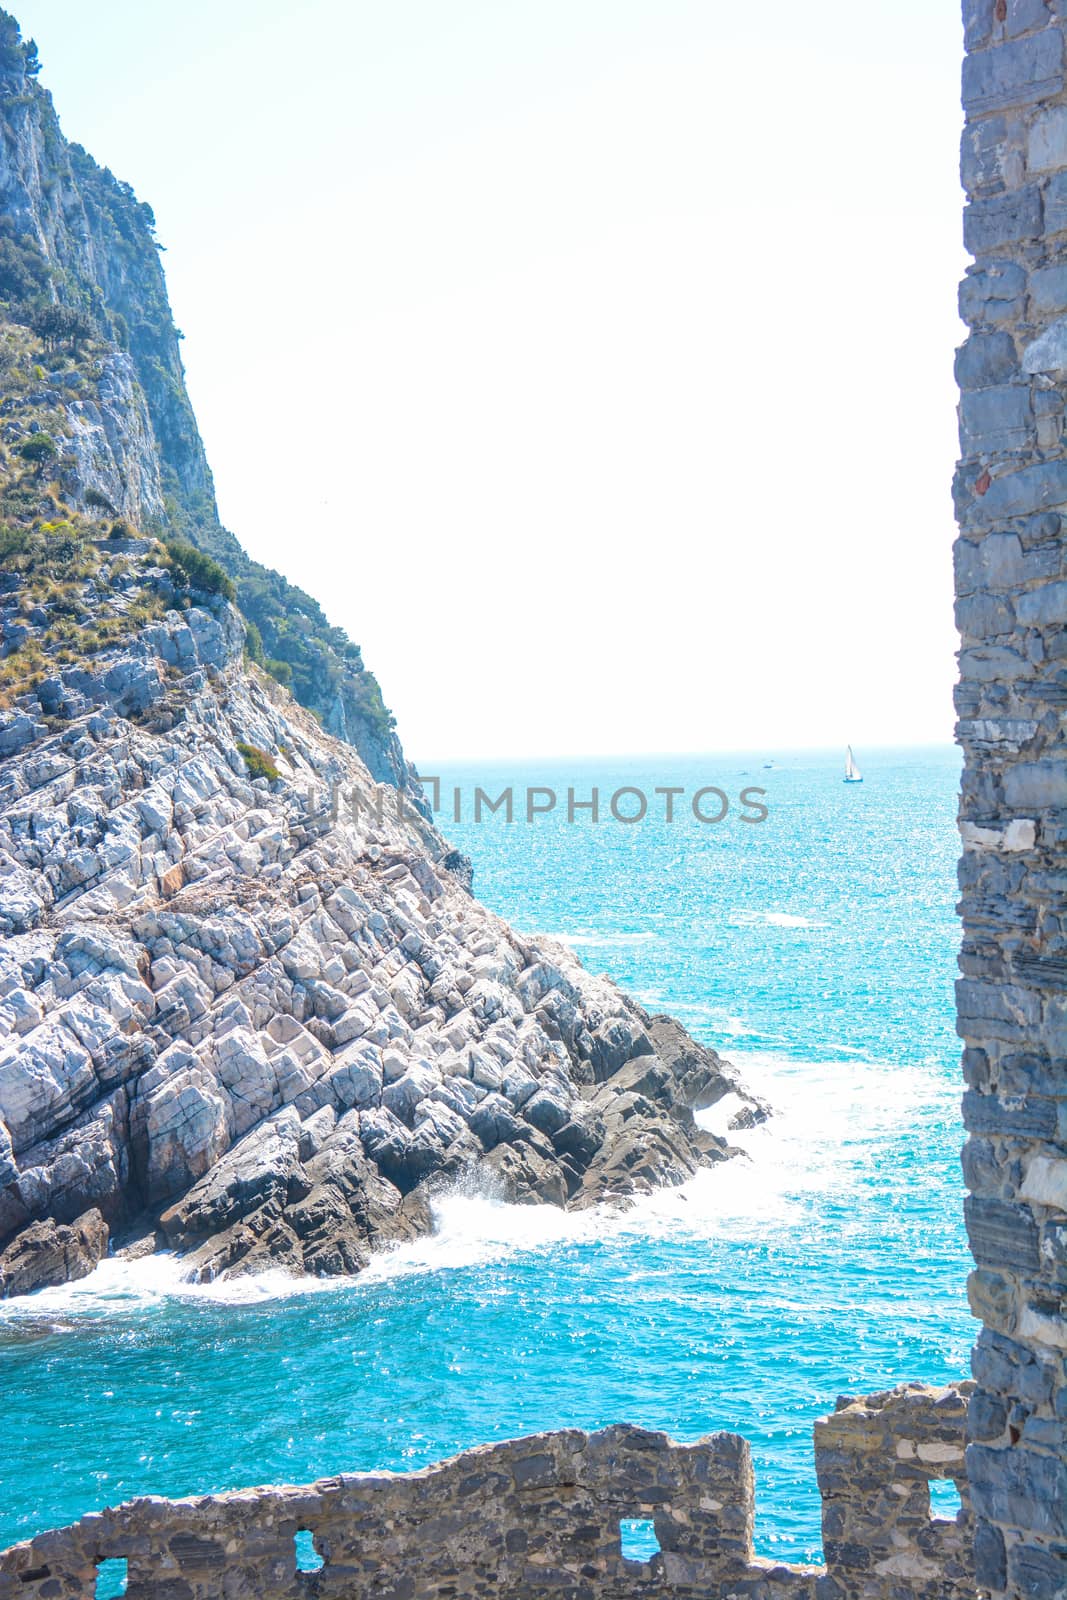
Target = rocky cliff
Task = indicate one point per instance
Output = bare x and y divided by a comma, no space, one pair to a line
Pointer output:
249,1010
73,236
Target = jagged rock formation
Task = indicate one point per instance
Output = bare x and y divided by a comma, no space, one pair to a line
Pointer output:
267,1023
49,1252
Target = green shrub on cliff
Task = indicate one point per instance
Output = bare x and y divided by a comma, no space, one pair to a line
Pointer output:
16,56
254,644
57,326
372,707
192,569
13,542
258,762
38,448
24,273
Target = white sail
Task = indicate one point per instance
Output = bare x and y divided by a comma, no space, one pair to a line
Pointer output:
852,772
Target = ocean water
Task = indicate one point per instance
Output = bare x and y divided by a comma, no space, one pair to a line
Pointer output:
817,950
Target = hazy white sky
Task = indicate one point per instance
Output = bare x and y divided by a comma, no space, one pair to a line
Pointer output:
590,360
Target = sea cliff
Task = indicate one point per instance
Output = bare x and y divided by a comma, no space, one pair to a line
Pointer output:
238,1019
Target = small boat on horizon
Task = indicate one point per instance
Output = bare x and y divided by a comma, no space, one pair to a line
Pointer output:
852,772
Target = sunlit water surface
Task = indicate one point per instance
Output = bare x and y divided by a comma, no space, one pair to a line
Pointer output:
817,950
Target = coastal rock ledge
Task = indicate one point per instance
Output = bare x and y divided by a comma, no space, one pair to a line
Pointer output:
250,1026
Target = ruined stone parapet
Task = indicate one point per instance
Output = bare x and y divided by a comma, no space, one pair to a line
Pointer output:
876,1458
541,1517
1011,580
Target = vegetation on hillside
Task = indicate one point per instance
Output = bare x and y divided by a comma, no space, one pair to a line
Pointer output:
192,569
67,588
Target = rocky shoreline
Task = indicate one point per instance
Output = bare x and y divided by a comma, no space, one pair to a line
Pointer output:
256,1033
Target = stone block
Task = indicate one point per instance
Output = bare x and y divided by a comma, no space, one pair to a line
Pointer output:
1019,1488
1044,607
1004,218
1002,1235
1003,734
1037,1572
1045,1183
985,156
995,419
1048,410
996,562
990,1561
1023,16
1006,1367
992,294
1024,1118
1020,834
1044,1324
1047,142
1048,352
1048,289
977,23
1019,73
1035,785
984,616
987,1416
995,1003
1019,494
985,359
1024,1073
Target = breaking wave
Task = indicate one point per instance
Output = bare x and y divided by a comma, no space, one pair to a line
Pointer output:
829,1128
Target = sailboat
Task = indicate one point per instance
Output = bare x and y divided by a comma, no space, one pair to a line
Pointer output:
852,772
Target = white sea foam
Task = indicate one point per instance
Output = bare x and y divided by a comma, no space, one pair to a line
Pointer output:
473,1230
583,938
735,1027
119,1286
831,1123
744,918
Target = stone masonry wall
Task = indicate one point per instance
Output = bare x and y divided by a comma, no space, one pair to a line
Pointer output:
1011,568
540,1517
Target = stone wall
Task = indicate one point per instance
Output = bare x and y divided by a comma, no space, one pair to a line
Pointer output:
1011,497
541,1517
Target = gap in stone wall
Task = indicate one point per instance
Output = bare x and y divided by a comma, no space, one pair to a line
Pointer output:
111,1579
637,1536
307,1557
945,1502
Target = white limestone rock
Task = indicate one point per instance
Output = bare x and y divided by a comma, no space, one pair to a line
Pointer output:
211,985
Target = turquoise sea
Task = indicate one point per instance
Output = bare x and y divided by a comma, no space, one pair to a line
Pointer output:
817,950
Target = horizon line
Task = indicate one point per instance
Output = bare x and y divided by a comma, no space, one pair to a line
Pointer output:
765,751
